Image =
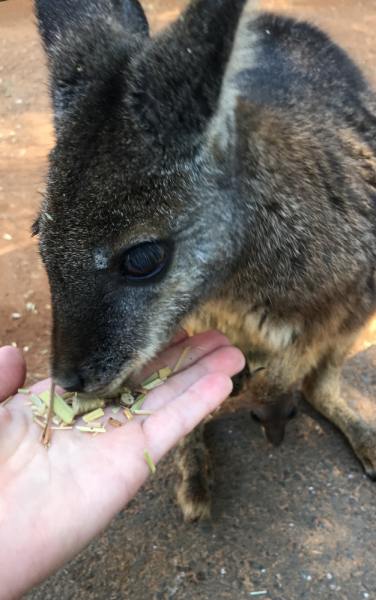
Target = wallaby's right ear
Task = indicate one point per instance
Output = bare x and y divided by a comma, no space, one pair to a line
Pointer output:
84,39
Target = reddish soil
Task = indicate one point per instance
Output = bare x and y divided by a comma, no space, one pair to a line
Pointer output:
297,522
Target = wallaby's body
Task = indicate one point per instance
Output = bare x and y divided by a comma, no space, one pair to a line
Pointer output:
222,174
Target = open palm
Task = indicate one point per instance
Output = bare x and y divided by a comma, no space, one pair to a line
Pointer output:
53,503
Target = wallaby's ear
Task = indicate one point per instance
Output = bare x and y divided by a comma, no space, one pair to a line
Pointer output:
86,41
181,72
55,16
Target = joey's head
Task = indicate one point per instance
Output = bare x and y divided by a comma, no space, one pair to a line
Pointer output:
274,418
135,229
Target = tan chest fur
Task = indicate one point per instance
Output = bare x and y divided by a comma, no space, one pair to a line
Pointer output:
259,336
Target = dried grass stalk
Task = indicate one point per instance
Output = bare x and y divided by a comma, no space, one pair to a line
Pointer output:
91,429
45,438
138,404
184,354
164,373
128,414
95,424
59,407
93,415
149,461
114,422
6,401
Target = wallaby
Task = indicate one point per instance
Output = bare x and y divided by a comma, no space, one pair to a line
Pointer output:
220,174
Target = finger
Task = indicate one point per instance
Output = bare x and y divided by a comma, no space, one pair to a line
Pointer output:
175,420
225,359
178,337
12,371
200,345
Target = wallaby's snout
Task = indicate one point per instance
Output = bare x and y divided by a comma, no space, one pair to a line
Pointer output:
81,358
84,331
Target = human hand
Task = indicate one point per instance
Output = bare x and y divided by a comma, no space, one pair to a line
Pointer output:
54,502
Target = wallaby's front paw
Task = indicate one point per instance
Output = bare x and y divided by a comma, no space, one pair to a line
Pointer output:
194,498
364,445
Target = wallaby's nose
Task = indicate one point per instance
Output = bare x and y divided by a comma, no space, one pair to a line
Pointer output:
275,435
73,381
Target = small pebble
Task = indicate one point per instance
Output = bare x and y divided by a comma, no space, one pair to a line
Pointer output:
223,571
14,344
329,576
26,348
291,524
7,236
366,595
270,455
351,476
16,315
230,431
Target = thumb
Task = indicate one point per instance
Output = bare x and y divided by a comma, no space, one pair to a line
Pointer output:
12,371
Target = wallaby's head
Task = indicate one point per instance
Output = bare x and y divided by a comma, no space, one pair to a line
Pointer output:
136,227
273,418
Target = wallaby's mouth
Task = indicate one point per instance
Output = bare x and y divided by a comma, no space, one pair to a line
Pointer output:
106,391
76,380
89,384
101,376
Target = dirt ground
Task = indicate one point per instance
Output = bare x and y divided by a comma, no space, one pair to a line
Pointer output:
296,522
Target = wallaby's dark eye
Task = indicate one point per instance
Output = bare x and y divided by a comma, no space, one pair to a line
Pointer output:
293,413
255,417
145,260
